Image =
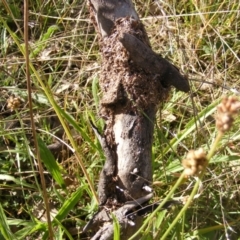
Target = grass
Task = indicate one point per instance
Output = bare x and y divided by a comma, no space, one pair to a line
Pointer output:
200,37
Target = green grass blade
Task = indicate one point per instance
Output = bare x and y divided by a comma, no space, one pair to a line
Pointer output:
6,177
4,227
37,227
73,122
50,163
116,228
69,204
25,231
43,41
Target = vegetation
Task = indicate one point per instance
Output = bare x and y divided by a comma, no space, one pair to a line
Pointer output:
200,37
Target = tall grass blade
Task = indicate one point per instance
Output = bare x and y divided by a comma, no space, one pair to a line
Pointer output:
69,204
4,227
116,228
50,163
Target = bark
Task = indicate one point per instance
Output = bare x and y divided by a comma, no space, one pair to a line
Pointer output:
133,81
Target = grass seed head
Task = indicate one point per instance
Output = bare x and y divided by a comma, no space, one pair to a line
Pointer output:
226,110
195,162
13,103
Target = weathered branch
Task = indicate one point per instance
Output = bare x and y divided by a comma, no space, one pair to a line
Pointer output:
108,11
106,186
133,81
144,57
124,215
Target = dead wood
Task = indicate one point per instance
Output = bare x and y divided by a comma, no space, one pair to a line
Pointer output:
133,81
105,188
143,56
106,12
102,221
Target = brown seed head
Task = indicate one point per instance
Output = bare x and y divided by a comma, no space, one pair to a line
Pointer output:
195,162
226,110
13,103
